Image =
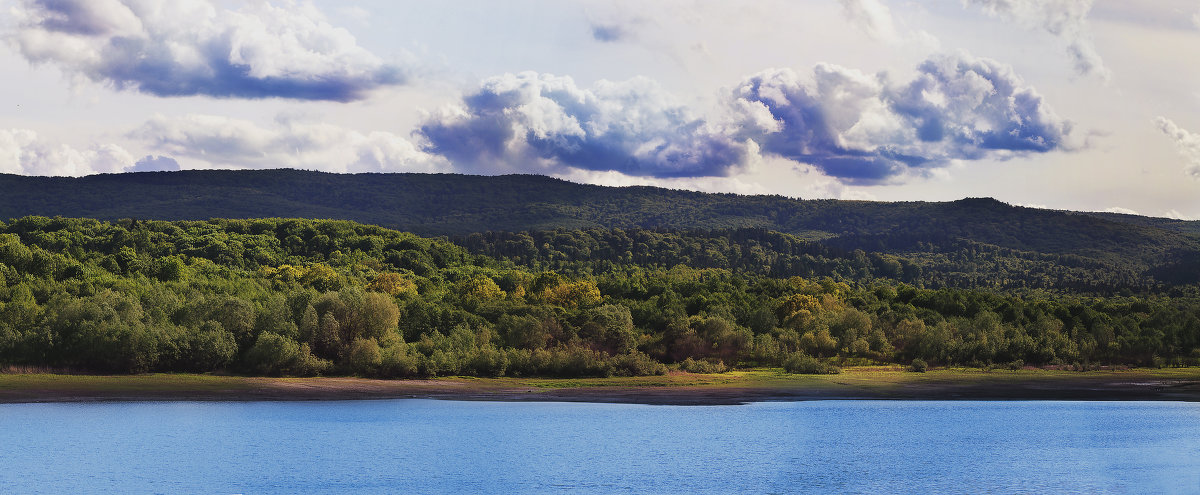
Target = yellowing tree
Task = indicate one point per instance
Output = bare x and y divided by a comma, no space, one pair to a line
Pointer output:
392,284
581,293
482,288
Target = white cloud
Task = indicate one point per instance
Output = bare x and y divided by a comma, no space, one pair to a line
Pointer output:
1176,215
777,176
225,142
1123,211
1065,19
1186,142
872,17
24,152
854,127
865,129
545,123
196,47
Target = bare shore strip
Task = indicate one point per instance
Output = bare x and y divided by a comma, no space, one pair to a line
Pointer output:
678,388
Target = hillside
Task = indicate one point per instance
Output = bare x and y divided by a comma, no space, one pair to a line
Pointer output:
974,240
303,297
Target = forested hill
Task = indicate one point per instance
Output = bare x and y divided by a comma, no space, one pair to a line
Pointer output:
447,204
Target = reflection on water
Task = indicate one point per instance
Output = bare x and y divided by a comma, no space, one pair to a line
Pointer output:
424,446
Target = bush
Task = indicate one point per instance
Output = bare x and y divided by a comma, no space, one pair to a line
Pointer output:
211,347
702,366
272,354
486,361
397,362
636,364
364,356
918,366
801,363
309,365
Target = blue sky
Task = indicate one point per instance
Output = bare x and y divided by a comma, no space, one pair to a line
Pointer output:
1069,104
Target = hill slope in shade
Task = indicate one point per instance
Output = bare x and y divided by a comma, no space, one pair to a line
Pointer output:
457,205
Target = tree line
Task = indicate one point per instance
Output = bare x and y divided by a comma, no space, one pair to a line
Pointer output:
308,297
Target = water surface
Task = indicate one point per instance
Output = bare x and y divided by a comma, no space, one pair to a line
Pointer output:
426,446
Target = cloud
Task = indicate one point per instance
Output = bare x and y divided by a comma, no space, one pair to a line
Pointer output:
609,33
195,47
530,120
23,152
1065,19
864,129
1186,142
225,142
1123,211
1176,215
152,163
872,17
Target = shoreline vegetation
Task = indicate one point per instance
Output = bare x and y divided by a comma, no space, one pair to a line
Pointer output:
675,388
291,297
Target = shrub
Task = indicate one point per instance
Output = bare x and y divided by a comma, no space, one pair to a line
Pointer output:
918,366
636,364
702,366
272,354
364,356
486,361
309,365
801,363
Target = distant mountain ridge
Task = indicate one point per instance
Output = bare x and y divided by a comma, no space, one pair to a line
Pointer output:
457,205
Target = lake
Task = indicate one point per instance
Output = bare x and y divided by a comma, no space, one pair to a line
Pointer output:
428,446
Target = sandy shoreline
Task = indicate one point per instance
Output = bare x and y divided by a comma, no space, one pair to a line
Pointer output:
1174,385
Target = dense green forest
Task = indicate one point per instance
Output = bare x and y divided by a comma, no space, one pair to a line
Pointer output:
283,296
971,243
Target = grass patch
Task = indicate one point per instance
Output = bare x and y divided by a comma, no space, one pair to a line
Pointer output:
867,381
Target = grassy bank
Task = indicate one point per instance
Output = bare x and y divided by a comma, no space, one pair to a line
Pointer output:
683,388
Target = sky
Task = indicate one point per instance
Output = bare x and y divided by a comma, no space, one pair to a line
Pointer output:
1090,105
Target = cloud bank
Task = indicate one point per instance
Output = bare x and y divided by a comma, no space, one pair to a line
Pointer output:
225,142
1186,142
1065,19
23,152
865,129
532,120
195,47
858,128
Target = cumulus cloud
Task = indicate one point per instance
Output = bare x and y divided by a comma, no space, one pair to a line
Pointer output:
196,47
865,129
1065,19
23,152
1186,142
872,17
153,163
227,142
548,122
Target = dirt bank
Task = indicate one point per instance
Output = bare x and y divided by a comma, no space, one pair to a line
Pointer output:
679,388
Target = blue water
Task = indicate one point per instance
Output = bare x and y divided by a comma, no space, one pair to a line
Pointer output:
425,446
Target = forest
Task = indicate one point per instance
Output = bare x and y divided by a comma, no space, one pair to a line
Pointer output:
332,297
